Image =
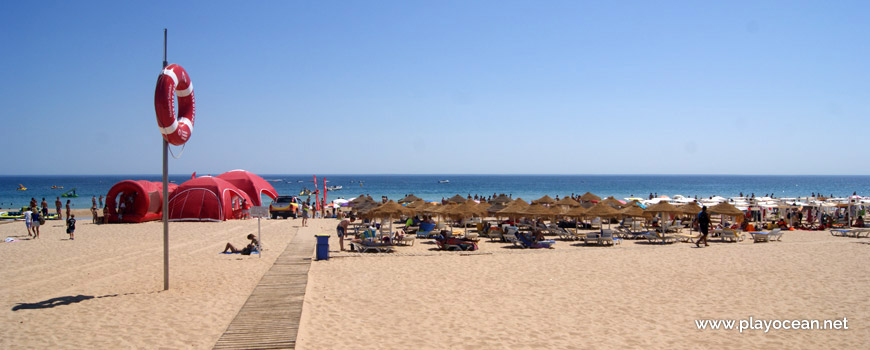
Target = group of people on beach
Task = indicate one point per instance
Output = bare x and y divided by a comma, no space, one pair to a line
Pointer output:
35,216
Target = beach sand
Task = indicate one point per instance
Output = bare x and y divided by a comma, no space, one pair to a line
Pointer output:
105,290
634,295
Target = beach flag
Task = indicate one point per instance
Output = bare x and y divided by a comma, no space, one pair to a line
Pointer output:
324,194
316,202
193,176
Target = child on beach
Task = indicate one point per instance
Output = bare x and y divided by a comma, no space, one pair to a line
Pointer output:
28,221
71,226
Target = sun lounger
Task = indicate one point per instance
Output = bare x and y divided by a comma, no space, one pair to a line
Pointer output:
456,244
759,237
425,230
604,237
654,236
371,247
731,236
510,235
776,234
685,237
525,242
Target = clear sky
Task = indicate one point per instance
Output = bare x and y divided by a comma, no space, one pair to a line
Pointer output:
544,87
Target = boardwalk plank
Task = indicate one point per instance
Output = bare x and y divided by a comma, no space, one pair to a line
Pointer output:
269,319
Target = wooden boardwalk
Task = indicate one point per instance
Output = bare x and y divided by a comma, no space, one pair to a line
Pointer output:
270,317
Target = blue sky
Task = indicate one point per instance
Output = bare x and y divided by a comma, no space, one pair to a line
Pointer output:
740,87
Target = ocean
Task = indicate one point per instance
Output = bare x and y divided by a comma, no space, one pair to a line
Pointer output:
528,187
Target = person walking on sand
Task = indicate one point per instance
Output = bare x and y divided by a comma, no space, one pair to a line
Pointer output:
35,225
342,231
704,225
305,212
71,227
57,205
67,209
28,221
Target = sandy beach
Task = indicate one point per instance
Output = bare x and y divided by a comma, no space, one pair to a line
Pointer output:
105,290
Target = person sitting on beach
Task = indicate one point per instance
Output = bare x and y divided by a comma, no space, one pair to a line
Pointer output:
859,222
251,247
537,235
782,224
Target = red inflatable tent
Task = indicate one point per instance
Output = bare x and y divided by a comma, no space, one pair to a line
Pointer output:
205,199
142,201
253,185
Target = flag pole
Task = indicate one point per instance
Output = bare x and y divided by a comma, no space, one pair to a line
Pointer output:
165,194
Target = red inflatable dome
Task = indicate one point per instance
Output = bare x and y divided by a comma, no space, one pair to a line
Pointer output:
142,201
253,185
206,199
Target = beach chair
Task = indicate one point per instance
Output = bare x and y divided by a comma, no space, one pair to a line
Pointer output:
608,238
371,247
689,238
731,236
759,237
776,234
839,232
563,233
494,233
654,236
525,242
460,244
510,235
425,230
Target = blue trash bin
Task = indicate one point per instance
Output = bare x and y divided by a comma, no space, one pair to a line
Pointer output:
322,251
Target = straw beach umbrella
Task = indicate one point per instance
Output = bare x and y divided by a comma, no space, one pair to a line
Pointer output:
602,210
663,207
568,202
409,198
388,210
588,197
577,212
456,199
613,202
725,208
544,200
690,208
501,199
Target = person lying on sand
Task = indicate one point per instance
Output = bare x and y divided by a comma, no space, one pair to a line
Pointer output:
251,247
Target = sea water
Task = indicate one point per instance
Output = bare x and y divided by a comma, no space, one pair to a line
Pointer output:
430,188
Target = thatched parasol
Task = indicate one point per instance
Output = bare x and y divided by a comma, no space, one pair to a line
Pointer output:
544,200
389,209
691,208
359,200
409,198
456,199
725,208
567,201
416,204
613,202
602,210
537,210
515,208
586,197
631,211
662,207
495,208
501,199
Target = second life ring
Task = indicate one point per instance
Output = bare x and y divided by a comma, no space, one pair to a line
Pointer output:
172,82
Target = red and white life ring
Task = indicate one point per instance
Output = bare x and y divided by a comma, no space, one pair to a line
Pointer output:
174,81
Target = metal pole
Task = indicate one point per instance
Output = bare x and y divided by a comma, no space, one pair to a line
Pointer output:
165,194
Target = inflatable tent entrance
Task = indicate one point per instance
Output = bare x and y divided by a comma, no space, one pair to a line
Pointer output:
142,201
253,185
206,199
